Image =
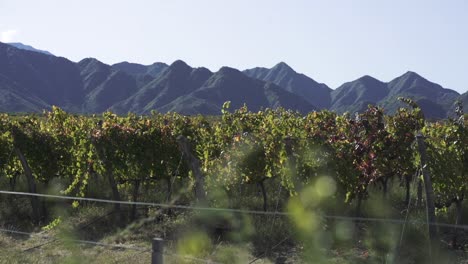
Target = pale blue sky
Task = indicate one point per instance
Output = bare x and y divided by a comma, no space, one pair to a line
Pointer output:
332,41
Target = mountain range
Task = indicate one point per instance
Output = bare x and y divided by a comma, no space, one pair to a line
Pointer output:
27,47
32,80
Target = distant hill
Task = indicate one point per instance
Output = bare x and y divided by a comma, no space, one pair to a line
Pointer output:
229,84
434,100
26,47
49,79
31,81
136,69
103,85
317,94
464,99
356,95
16,99
175,81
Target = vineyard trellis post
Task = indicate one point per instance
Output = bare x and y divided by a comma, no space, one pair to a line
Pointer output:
31,185
430,205
157,252
194,165
108,167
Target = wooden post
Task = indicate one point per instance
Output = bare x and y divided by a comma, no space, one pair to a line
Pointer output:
194,165
158,250
136,188
112,183
430,206
31,186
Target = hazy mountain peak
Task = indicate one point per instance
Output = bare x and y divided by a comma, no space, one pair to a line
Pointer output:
229,70
22,46
130,68
369,80
126,63
91,65
412,75
179,64
91,61
354,96
159,64
282,66
284,76
136,69
408,80
201,71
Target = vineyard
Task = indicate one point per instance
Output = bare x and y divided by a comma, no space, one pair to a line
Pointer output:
272,186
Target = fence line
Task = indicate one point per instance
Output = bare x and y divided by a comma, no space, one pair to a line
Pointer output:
94,243
164,205
231,210
75,240
18,232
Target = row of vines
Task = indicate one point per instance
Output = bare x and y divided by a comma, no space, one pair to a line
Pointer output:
239,148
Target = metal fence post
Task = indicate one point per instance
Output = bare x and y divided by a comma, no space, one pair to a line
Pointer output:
157,254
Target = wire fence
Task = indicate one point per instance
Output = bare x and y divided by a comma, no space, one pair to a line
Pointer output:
78,241
140,250
111,246
232,210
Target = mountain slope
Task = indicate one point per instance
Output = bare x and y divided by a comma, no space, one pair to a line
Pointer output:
315,93
229,84
435,101
104,86
27,47
16,99
31,81
356,95
54,80
464,99
93,73
175,81
138,69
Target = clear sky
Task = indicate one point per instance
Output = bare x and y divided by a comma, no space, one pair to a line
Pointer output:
332,41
